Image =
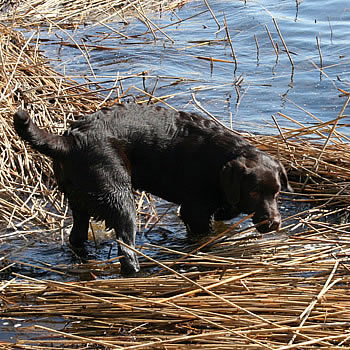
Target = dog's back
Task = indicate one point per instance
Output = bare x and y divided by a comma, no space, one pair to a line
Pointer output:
169,153
164,150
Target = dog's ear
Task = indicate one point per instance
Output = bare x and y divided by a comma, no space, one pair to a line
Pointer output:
284,178
230,179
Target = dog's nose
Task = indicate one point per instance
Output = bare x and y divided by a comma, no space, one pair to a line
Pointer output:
267,224
275,225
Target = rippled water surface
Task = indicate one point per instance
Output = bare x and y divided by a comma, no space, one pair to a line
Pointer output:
269,85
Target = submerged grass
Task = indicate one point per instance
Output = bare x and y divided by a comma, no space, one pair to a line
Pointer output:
244,291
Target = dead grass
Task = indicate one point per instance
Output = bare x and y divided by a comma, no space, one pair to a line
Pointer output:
72,14
277,292
267,294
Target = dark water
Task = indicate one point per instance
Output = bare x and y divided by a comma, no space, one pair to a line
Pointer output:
269,86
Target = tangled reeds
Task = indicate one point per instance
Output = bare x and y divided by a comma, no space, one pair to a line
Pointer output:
272,294
286,291
26,80
318,157
72,13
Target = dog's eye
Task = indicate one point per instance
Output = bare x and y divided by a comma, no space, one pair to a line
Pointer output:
254,195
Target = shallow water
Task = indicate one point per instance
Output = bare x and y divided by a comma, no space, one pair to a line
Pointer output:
269,86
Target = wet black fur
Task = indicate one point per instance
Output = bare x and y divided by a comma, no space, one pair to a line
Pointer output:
181,157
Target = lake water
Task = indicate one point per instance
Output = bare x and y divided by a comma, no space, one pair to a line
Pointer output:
269,86
170,61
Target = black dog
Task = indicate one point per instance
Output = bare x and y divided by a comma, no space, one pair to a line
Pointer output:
181,157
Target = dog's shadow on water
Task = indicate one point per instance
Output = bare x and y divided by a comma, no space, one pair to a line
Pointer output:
50,259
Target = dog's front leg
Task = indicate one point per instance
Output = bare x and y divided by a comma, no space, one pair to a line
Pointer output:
225,212
122,219
197,217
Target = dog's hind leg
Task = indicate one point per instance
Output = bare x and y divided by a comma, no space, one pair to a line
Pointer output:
79,232
117,209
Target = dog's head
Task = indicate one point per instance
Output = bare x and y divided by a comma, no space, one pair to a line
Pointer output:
253,186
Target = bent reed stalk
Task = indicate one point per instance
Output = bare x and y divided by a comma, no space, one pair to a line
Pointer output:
280,291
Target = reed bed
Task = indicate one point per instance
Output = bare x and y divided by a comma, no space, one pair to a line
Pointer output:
240,290
317,157
70,14
275,293
26,80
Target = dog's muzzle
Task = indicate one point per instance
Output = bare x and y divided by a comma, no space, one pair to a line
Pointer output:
264,224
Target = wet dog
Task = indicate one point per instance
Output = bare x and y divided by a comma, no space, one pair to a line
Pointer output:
181,157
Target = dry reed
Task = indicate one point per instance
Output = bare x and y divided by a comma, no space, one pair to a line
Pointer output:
286,291
70,14
317,157
27,81
275,293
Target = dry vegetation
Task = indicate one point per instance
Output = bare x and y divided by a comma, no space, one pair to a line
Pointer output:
72,14
278,292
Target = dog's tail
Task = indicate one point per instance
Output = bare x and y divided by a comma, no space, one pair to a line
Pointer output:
54,146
